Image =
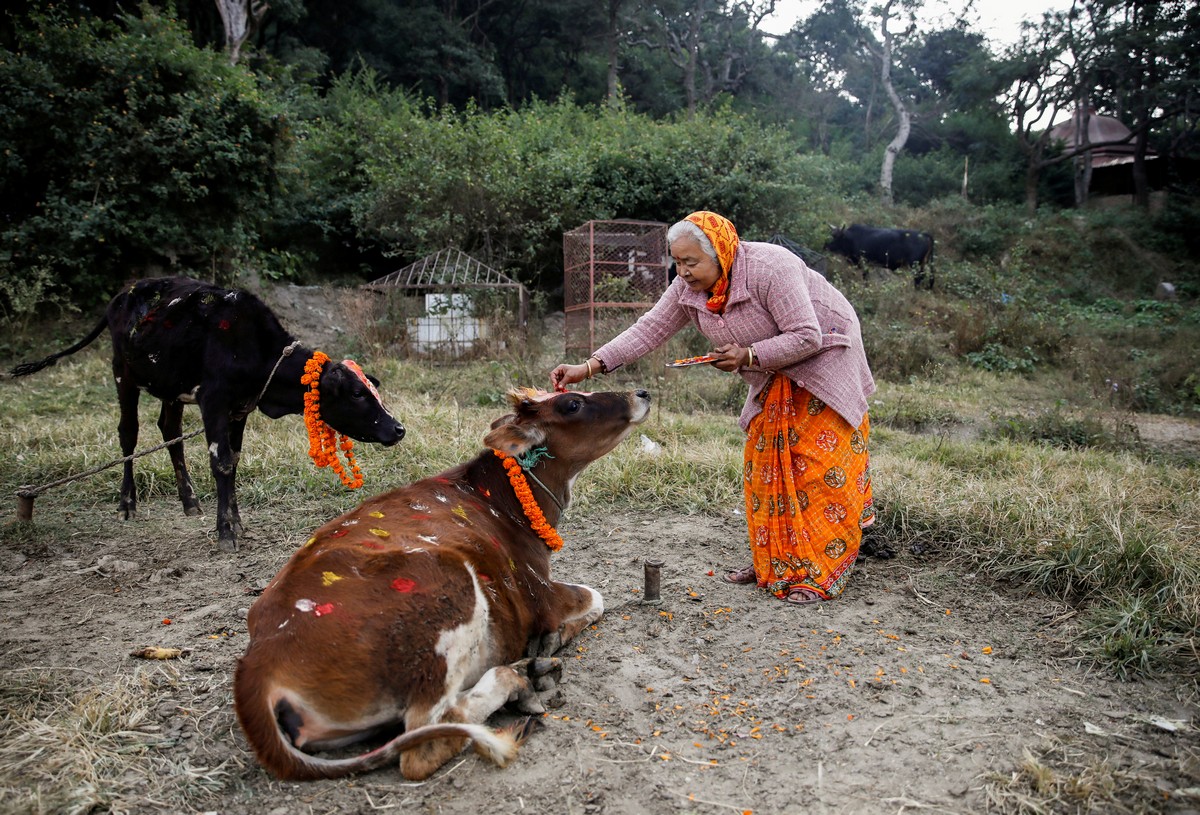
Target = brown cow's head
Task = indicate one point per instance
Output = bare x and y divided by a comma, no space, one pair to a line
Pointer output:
575,427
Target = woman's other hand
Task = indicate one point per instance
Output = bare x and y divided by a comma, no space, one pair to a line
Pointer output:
566,374
731,357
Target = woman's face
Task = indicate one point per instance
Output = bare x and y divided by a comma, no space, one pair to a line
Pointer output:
697,269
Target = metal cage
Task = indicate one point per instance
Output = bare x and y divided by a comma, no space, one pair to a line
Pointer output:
612,272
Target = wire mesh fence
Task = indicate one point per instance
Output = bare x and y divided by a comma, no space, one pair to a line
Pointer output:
613,271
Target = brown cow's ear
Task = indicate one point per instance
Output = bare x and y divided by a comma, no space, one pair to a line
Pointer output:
514,439
511,417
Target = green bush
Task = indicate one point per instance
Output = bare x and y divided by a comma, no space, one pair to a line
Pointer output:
125,148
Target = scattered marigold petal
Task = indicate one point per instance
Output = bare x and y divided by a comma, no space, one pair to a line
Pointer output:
987,649
985,681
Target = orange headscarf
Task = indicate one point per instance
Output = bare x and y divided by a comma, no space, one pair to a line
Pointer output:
724,237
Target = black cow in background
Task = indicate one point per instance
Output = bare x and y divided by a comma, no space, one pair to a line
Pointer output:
188,342
890,248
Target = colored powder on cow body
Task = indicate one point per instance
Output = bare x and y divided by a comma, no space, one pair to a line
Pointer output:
370,544
376,514
403,584
337,533
380,533
460,511
329,578
323,609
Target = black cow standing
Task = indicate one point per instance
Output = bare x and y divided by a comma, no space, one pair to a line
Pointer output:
189,342
890,248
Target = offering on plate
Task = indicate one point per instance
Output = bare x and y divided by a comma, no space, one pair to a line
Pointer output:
683,363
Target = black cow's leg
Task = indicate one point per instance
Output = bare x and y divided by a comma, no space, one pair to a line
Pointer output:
220,458
170,422
237,429
127,432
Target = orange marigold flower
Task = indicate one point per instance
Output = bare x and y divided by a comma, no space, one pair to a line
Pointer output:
322,439
528,503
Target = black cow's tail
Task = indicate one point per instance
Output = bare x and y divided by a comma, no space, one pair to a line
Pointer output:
27,368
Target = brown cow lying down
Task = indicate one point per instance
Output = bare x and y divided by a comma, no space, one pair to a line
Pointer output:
417,608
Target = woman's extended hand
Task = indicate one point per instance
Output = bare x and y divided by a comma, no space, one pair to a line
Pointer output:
731,357
566,374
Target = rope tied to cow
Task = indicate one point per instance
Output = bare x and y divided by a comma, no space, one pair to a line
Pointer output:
31,491
287,352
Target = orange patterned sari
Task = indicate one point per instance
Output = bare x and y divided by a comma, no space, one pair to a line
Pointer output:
808,492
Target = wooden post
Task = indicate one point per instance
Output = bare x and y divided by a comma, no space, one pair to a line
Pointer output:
25,496
653,582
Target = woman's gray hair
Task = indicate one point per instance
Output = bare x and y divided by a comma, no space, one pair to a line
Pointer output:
688,229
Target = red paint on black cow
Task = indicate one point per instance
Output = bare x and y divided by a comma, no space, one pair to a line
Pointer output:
186,341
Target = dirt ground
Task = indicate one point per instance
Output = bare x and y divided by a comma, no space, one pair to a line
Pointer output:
924,688
910,693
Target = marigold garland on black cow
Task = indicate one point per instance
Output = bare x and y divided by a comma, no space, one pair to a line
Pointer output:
186,341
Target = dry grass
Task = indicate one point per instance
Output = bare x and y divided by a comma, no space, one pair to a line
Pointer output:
68,746
1078,777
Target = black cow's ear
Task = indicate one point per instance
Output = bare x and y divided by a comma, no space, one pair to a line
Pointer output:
373,380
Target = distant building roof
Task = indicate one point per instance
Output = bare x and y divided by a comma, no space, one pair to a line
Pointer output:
1099,129
446,269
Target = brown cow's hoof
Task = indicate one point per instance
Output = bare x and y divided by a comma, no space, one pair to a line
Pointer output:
550,644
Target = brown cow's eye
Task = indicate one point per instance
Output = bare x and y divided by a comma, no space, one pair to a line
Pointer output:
572,406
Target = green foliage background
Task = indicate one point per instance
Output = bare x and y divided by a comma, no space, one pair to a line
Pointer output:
125,147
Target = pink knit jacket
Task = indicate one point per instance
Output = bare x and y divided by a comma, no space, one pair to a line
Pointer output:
799,325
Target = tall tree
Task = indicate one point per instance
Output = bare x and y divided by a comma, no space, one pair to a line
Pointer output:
1145,68
241,19
903,114
1038,94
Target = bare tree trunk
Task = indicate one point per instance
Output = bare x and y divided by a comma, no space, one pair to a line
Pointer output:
1141,179
1083,161
902,113
689,67
613,46
1032,174
241,18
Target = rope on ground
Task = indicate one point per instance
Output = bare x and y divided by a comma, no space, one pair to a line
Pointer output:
31,491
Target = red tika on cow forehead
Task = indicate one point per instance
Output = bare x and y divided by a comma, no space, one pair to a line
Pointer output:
357,371
518,395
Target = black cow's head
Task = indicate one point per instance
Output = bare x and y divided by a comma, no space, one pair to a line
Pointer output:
838,241
350,404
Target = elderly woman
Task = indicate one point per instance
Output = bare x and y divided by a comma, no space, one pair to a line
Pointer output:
796,341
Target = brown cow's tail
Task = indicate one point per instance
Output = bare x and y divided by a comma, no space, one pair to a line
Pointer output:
27,368
284,760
